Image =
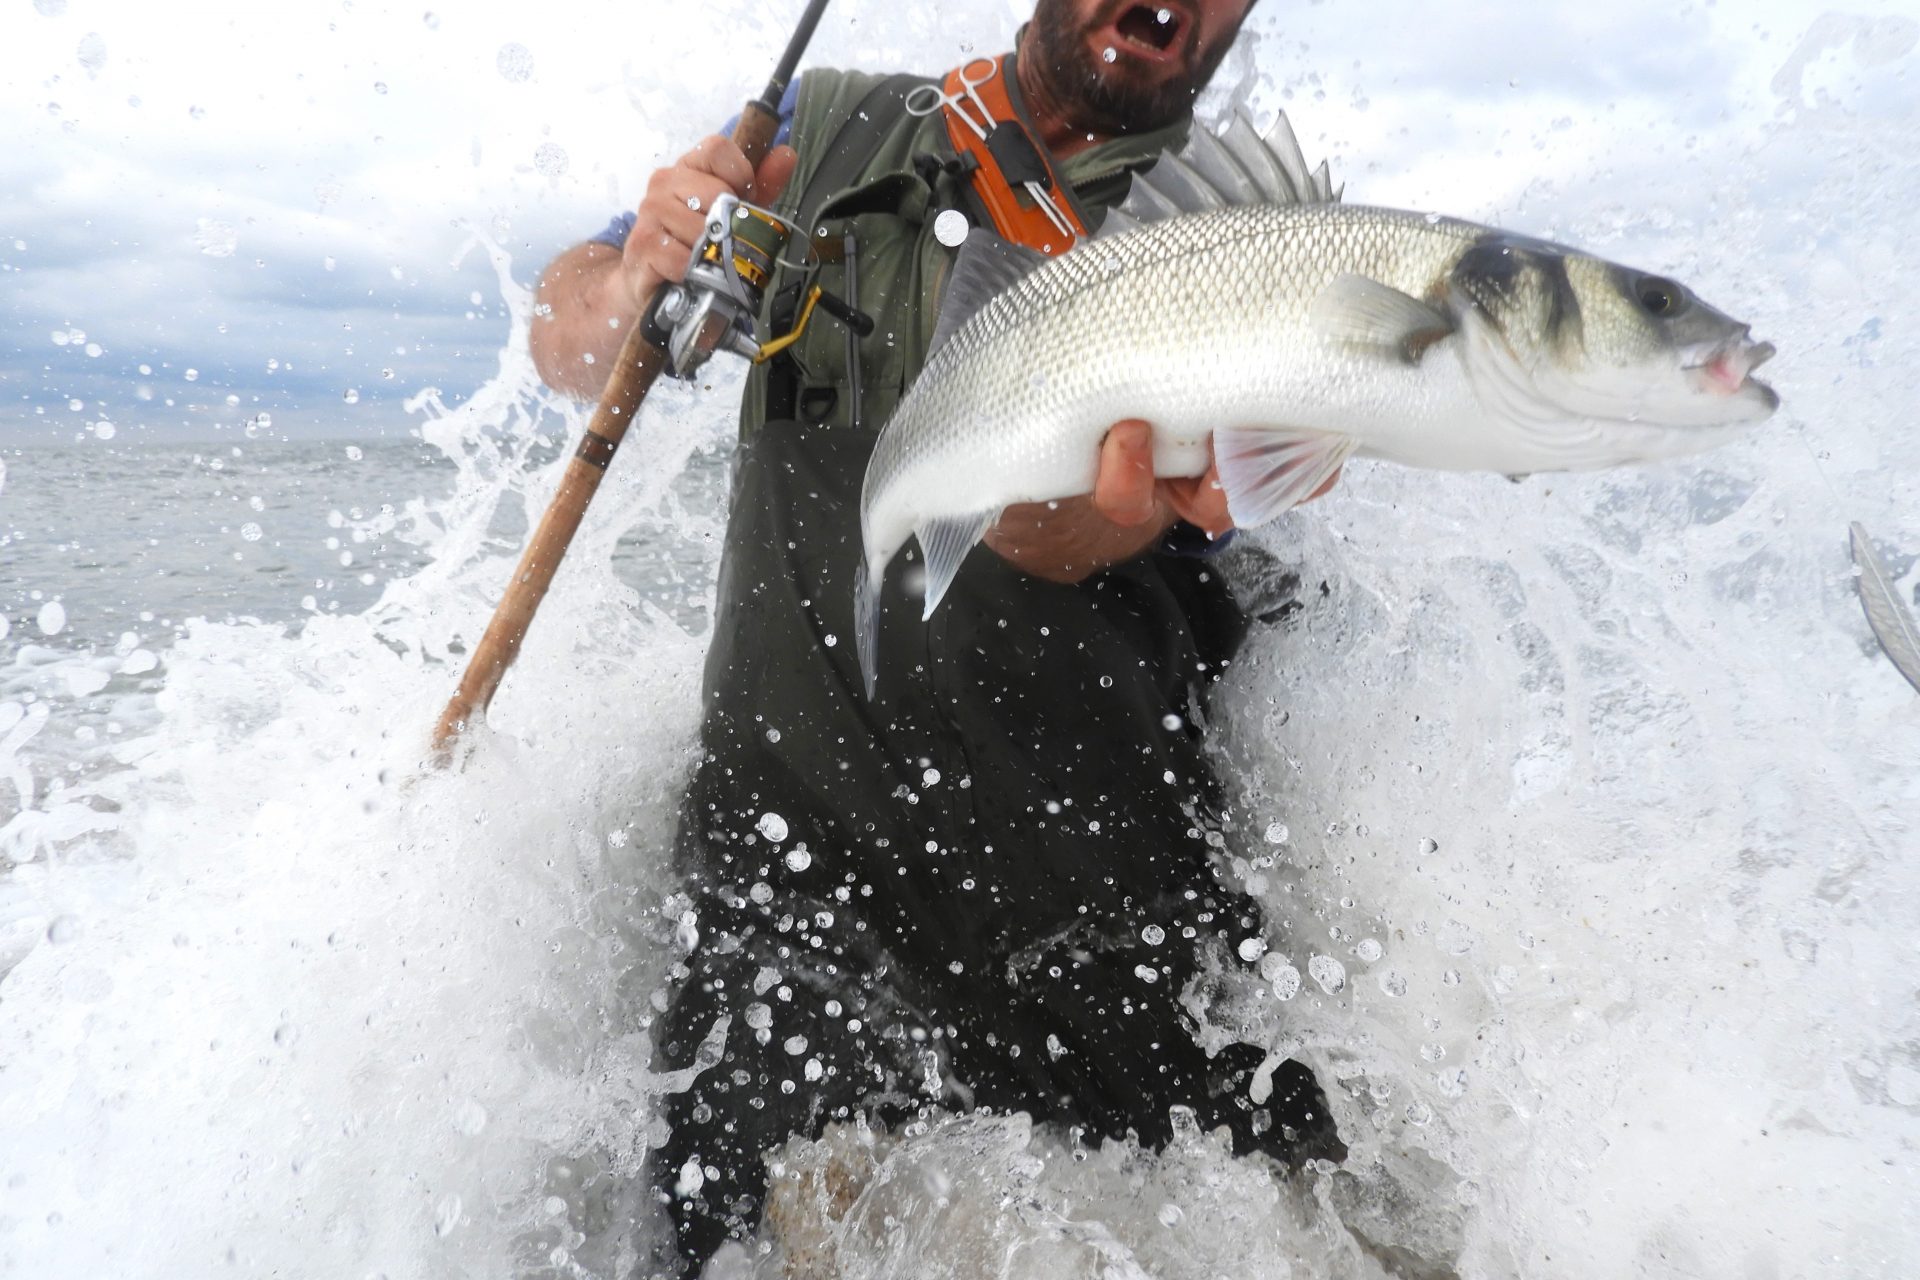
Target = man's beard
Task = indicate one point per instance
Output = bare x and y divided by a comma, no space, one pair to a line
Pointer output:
1105,98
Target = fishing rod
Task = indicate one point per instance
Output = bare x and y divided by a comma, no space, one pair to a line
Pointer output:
713,309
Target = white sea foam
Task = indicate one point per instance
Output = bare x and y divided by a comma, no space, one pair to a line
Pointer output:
1593,795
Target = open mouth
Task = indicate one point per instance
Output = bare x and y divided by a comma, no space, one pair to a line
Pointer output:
1150,31
1729,369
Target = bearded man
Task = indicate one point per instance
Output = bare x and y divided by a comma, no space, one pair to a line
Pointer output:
990,886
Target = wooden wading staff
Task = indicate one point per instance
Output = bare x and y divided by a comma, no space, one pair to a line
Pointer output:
633,374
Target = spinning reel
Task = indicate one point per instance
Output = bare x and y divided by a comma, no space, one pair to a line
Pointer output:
714,307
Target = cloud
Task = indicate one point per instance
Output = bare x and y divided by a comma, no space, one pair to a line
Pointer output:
333,159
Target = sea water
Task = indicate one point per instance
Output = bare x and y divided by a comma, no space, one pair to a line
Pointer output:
1583,812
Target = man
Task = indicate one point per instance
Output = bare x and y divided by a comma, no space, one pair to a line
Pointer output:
989,886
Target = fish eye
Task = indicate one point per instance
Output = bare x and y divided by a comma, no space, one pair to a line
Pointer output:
1659,297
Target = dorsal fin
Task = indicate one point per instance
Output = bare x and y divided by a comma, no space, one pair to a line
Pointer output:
1235,166
986,267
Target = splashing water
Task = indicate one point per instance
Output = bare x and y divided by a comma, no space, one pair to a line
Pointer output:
1581,812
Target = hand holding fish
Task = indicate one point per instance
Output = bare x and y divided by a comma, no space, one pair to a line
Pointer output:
1271,333
1129,510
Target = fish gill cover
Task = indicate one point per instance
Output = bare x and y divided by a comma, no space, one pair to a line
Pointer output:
1583,811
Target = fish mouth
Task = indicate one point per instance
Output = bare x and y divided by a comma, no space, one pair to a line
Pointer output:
1726,369
1150,32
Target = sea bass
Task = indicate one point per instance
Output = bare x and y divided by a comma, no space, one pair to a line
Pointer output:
1259,325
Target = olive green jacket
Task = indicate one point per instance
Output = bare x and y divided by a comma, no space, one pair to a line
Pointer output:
901,268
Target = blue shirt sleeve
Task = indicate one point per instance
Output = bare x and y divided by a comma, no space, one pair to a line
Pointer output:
615,234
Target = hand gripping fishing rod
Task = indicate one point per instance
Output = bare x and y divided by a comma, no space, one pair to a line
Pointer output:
712,310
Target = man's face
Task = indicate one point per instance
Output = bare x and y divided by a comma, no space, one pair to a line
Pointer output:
1123,66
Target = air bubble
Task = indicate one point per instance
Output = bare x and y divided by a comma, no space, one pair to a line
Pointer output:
1277,833
550,159
250,531
1109,54
799,860
772,826
1153,935
1328,972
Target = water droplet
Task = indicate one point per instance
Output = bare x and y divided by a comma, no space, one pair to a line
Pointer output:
1154,935
250,531
514,62
215,238
772,826
52,618
1328,972
92,52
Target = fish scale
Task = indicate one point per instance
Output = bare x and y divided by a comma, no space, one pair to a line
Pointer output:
1276,339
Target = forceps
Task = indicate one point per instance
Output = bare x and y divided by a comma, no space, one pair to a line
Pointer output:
929,98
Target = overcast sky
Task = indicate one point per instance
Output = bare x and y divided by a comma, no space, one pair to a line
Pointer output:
243,208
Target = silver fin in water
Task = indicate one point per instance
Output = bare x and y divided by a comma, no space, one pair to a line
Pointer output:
1233,167
866,625
1366,313
1268,470
1892,622
944,544
986,267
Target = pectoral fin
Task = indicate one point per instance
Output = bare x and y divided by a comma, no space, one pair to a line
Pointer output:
1267,470
1366,313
